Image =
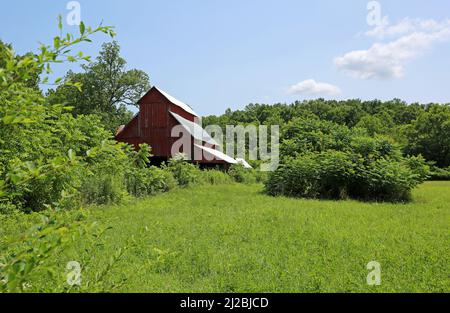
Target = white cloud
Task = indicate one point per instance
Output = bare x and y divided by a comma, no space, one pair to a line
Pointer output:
406,26
311,87
387,60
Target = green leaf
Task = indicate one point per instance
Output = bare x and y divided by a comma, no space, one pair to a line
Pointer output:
8,119
56,42
71,155
82,28
60,22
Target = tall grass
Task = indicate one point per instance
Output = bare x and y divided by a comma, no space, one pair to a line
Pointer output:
233,238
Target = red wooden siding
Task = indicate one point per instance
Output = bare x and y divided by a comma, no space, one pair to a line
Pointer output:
153,125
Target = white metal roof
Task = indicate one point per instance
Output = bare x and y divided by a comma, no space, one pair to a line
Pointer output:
218,154
244,163
194,129
177,102
119,129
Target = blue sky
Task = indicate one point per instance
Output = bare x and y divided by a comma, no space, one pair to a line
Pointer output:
219,54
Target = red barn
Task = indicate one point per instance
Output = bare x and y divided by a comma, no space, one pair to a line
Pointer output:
158,113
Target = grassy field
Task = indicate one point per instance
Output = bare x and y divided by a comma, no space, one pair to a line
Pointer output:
232,238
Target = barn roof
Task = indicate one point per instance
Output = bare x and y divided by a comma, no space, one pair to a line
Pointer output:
177,102
218,154
222,156
194,129
243,162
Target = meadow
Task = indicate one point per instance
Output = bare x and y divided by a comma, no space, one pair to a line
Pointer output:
233,238
82,212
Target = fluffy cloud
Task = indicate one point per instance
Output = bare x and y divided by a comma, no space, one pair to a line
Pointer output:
387,60
407,26
311,87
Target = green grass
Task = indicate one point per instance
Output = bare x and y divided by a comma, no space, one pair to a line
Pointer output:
232,238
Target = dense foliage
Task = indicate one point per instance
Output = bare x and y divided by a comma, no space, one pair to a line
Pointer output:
360,149
108,88
322,159
419,129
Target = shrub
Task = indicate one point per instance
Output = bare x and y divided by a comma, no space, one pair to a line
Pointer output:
104,173
439,173
386,180
339,175
43,147
32,261
325,160
148,181
297,178
215,177
315,174
102,188
311,134
242,175
186,174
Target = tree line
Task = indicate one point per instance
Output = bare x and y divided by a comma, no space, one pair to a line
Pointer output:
418,129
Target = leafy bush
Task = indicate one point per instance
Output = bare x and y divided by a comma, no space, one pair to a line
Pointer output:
339,175
241,174
313,175
101,187
386,179
312,134
246,175
186,174
215,177
440,173
19,264
103,179
32,262
148,181
42,152
326,160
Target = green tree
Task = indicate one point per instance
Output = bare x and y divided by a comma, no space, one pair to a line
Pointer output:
108,88
429,135
372,124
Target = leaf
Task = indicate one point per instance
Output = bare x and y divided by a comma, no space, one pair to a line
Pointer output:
8,119
56,42
71,155
15,179
82,28
60,26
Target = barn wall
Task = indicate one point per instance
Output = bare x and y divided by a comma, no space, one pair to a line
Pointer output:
130,133
154,123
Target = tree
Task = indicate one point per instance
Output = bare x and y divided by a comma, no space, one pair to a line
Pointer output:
429,135
373,124
107,88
